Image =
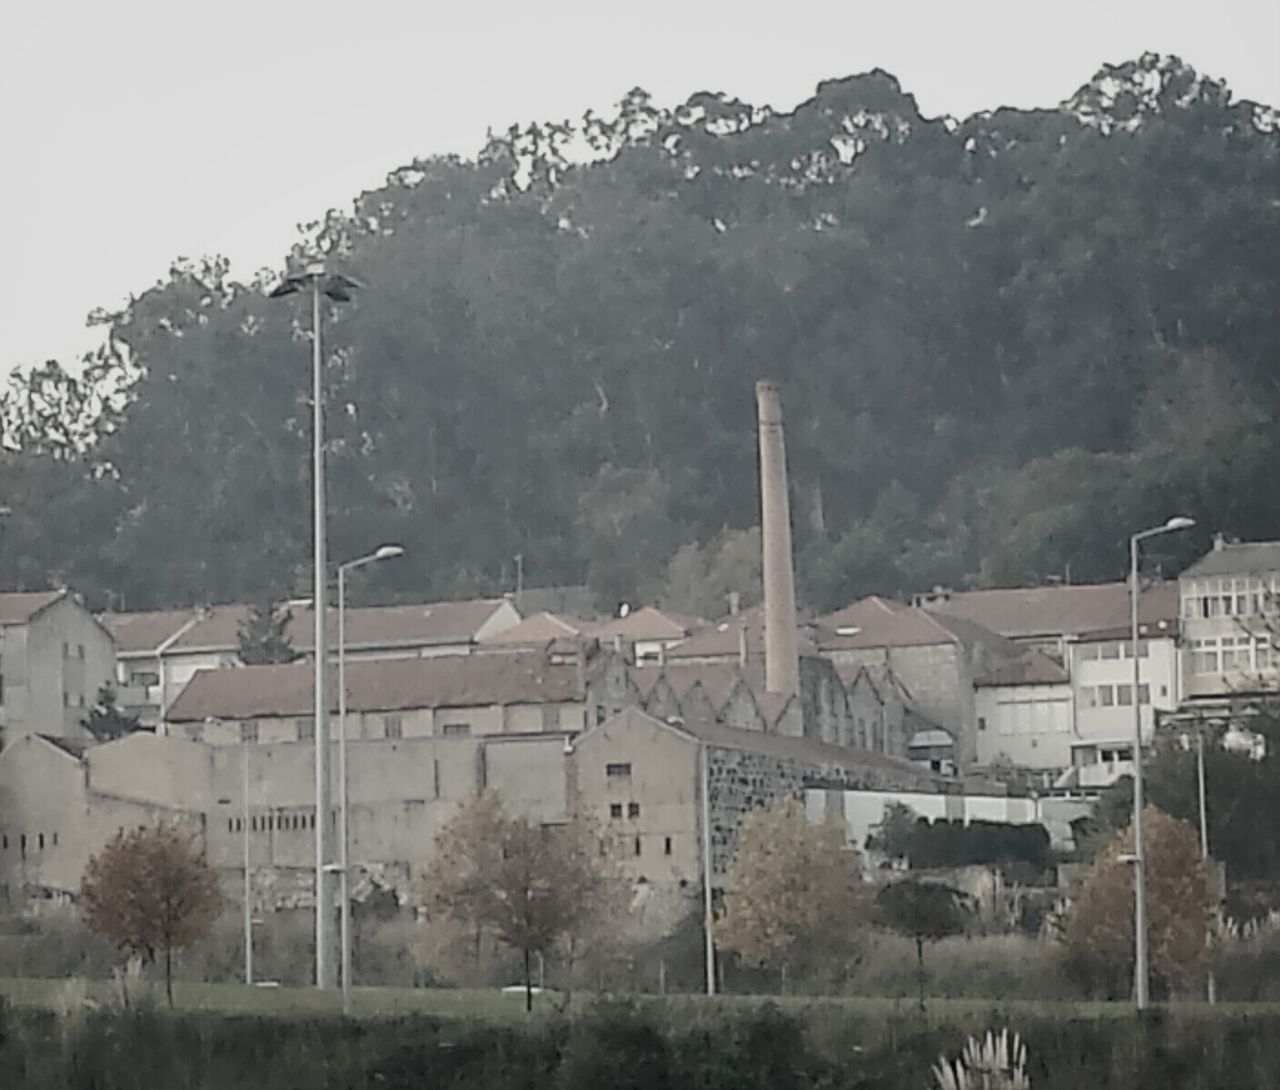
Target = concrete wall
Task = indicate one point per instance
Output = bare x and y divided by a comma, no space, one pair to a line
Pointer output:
1028,725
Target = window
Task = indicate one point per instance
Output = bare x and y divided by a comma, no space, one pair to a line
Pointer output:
633,809
55,840
1144,694
666,845
1088,652
306,729
1236,653
1106,696
599,714
80,651
550,716
982,722
617,771
1109,651
1204,656
249,731
40,841
615,810
1265,656
636,844
393,726
144,678
253,824
1124,696
456,730
4,842
231,825
1,689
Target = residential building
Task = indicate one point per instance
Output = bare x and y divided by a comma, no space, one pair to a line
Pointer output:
54,657
1230,615
1025,713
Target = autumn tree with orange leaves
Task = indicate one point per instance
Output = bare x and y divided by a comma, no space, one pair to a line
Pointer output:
1099,931
150,891
790,881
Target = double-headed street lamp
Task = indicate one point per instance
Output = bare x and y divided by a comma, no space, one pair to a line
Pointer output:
1141,975
386,552
317,280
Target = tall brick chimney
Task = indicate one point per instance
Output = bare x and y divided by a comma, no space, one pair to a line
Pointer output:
781,657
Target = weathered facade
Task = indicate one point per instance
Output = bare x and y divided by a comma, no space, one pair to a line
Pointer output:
54,657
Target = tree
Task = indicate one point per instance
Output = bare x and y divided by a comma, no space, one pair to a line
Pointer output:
527,883
106,720
1099,932
150,891
894,833
923,911
790,880
264,635
701,578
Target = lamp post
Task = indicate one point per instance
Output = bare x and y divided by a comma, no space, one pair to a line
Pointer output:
386,552
316,279
708,915
1141,974
1211,983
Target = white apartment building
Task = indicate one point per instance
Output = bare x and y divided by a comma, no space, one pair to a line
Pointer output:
1230,613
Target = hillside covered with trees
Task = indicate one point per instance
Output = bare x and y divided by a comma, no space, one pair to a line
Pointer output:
1004,342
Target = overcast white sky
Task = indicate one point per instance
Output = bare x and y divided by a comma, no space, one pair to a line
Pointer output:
136,131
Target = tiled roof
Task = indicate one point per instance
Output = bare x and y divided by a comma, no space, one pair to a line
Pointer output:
862,612
218,628
73,747
721,640
18,607
649,623
1237,558
874,625
806,749
1029,668
139,632
539,628
1073,610
453,681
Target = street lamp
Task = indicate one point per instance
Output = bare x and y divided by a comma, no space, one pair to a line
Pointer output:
316,279
385,552
1141,974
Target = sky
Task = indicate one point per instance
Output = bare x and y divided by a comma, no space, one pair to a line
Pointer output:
139,131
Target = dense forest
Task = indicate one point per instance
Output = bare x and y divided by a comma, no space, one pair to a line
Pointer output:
1004,344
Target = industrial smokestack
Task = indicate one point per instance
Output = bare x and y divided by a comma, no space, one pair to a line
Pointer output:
781,657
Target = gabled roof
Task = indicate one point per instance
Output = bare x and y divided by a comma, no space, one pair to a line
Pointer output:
722,640
136,633
72,747
1237,558
649,623
217,628
1060,610
862,612
19,607
373,685
877,625
1032,667
539,628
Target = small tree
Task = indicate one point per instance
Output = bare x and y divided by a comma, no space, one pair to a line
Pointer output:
105,720
529,884
790,878
1099,931
151,891
893,835
923,911
264,638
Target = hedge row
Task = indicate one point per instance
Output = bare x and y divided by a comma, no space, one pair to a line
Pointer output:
624,1047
